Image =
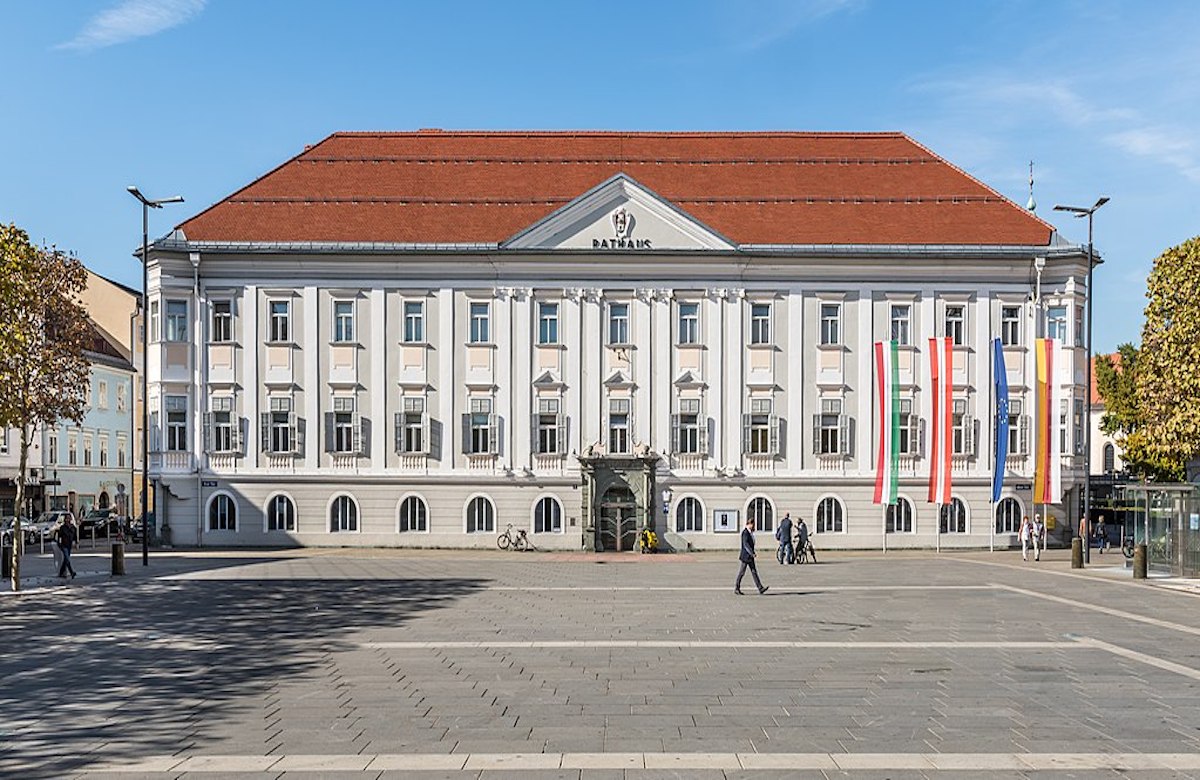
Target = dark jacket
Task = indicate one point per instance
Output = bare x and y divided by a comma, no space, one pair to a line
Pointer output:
785,530
747,555
803,531
66,536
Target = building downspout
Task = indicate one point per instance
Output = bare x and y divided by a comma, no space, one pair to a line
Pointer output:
200,395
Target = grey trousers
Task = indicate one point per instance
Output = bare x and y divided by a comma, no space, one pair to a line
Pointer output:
737,585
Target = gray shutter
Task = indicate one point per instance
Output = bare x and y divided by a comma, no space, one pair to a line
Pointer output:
494,434
1023,434
434,447
236,436
426,444
773,438
399,435
155,433
674,433
921,437
746,418
466,433
264,424
207,431
968,435
535,442
296,432
330,424
560,422
816,434
843,434
703,423
359,443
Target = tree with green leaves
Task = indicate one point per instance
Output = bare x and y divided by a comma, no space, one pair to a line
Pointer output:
1124,416
1168,374
45,332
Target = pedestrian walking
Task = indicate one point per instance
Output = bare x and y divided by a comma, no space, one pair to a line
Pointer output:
1025,533
65,538
1039,537
1102,532
55,550
784,534
747,558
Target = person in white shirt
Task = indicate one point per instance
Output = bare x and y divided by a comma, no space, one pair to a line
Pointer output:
1039,537
1024,534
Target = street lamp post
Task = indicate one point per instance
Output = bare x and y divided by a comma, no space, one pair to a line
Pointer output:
1081,212
147,204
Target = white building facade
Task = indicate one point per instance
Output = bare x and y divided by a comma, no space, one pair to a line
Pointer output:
417,339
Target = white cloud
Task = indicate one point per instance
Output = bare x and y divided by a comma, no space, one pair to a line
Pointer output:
1169,145
132,19
762,23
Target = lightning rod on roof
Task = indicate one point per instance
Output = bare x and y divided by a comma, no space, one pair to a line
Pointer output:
1032,204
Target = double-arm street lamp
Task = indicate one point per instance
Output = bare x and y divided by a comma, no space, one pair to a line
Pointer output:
1080,212
147,204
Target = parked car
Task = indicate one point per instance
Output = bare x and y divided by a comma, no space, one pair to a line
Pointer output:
134,531
44,525
6,529
97,522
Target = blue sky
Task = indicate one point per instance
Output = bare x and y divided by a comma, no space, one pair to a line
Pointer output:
198,97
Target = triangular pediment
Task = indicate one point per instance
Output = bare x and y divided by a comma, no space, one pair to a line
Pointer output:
688,379
548,379
620,215
618,378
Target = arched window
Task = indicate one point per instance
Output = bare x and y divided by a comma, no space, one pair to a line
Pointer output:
222,513
1110,458
1008,516
281,514
689,516
900,517
762,514
481,516
547,516
343,515
412,515
953,517
829,516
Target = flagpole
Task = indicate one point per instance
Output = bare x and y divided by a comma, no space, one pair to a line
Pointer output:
938,514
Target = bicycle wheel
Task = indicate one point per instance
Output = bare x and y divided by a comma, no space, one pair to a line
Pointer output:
1127,548
521,544
503,541
779,554
812,552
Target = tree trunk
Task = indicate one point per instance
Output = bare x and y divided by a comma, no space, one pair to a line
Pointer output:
18,534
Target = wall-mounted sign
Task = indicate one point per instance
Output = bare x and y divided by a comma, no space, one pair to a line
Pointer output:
1023,487
622,222
208,483
725,521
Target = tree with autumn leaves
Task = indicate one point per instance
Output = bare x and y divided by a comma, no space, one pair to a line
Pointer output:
44,332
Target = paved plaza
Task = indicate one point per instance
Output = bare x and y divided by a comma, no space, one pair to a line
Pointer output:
440,664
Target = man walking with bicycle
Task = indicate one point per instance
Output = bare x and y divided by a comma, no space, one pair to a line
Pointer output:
783,534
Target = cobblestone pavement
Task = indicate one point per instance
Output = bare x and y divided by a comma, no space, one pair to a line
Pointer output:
377,663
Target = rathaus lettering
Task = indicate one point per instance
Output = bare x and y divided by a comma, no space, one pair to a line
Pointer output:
621,243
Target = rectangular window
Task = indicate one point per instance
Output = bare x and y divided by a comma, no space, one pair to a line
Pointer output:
102,440
1010,325
3,440
956,324
281,321
177,423
72,450
280,426
176,325
1078,426
122,396
410,427
1056,323
831,315
154,321
122,452
901,314
549,424
102,394
87,450
910,435
414,322
618,425
688,428
618,323
760,323
828,436
1078,325
221,425
689,323
343,428
343,321
760,429
1018,428
962,427
481,428
51,448
547,323
1063,432
480,323
222,322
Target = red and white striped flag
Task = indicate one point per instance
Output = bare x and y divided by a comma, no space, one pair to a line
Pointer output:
941,369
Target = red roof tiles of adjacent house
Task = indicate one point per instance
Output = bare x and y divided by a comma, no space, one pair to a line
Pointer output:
1116,359
484,187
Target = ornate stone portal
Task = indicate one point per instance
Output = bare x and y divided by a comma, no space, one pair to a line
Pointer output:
618,499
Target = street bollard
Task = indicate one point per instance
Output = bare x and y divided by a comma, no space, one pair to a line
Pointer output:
118,558
1077,553
1139,562
6,558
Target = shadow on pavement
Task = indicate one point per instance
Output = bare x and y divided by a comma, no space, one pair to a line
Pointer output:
184,653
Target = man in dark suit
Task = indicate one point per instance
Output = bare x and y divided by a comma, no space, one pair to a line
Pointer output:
747,559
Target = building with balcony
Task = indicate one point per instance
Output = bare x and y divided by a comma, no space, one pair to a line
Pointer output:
415,339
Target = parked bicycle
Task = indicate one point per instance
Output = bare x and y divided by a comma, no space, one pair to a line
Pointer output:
801,554
1127,547
518,541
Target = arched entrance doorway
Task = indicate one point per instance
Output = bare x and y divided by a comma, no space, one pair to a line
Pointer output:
617,520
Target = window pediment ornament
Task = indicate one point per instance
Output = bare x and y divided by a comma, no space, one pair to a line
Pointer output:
687,379
618,378
548,380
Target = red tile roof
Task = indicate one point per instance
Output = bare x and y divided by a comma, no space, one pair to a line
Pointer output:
754,188
1116,359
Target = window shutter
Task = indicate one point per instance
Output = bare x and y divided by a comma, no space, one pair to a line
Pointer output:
426,442
494,434
236,435
773,440
560,423
296,432
816,434
359,441
674,433
264,427
703,424
844,434
207,431
434,429
330,420
1023,434
399,431
968,435
535,442
920,441
746,433
155,433
466,433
